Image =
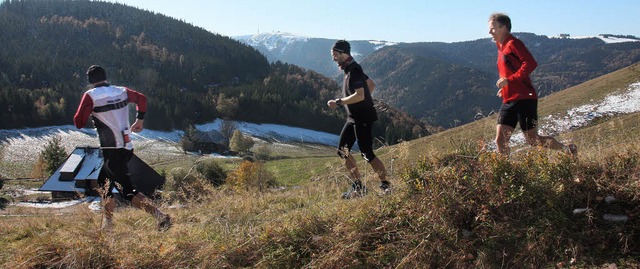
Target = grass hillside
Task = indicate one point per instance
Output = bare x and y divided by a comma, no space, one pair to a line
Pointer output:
454,206
591,139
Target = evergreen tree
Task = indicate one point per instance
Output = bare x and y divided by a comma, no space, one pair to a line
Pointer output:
53,155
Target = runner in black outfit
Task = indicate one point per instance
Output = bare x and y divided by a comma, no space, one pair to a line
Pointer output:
361,114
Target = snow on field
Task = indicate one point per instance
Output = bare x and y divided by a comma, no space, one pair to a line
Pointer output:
21,144
25,144
621,103
278,133
63,204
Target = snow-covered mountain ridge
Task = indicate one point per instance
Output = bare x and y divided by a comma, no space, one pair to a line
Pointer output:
609,39
279,41
308,52
271,41
312,53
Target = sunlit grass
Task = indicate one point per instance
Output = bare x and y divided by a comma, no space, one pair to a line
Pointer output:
454,205
459,208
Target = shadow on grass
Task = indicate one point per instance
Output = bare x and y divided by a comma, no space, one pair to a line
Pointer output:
3,203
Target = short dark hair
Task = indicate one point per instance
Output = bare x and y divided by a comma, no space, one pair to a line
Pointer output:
342,46
96,73
502,19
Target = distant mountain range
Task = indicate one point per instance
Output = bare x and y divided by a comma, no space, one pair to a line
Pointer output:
447,84
310,53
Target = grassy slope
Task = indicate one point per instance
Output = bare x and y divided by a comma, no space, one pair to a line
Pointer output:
420,226
591,91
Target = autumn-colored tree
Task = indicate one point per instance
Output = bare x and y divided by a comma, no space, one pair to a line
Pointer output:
250,176
239,142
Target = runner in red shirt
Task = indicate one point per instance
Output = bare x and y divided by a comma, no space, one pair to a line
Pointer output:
519,97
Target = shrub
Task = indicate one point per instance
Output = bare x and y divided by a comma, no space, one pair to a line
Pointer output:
211,171
251,176
183,185
262,152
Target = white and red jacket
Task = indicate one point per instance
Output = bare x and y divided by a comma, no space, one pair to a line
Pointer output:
109,107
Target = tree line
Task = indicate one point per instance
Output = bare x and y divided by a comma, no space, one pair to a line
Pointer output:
188,74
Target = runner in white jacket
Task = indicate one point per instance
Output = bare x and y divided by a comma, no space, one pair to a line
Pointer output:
108,106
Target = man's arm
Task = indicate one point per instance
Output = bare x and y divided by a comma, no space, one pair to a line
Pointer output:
356,97
359,79
84,111
137,126
141,107
371,85
528,63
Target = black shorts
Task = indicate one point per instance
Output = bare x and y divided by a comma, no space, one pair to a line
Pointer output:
116,170
524,112
363,133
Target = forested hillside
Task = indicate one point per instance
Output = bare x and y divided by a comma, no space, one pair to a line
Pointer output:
294,96
189,75
48,45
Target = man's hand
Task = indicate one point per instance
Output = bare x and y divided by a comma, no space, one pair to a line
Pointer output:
332,104
137,126
501,83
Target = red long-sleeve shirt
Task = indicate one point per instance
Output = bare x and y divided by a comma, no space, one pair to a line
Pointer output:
516,63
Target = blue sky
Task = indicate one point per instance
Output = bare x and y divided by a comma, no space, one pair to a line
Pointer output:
400,20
